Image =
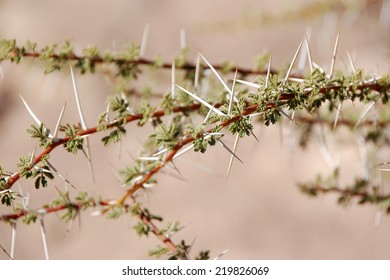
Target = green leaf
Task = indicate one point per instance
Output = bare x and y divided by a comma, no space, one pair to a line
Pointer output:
142,229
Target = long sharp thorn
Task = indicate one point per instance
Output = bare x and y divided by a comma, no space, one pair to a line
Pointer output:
32,155
82,120
351,62
207,116
13,241
302,58
292,62
59,121
286,115
38,122
336,46
232,95
183,44
315,65
160,152
60,175
364,113
77,97
229,150
256,86
221,254
202,101
175,167
292,118
257,139
44,237
186,149
309,53
337,115
197,69
173,78
232,157
144,41
5,251
268,71
223,82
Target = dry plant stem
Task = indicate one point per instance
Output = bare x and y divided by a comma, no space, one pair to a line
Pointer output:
350,193
283,97
144,61
143,218
173,152
59,141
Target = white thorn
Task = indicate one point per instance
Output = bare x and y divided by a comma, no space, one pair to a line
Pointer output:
183,44
318,67
256,86
32,155
160,152
292,62
59,121
337,115
144,40
13,242
207,116
223,82
268,71
197,69
298,80
286,115
60,175
302,57
82,120
364,113
228,149
173,79
149,158
76,94
336,45
202,101
309,53
38,122
44,237
232,157
352,64
232,95
186,149
221,254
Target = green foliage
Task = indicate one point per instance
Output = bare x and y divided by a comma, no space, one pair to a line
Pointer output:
7,196
147,113
142,229
277,97
29,218
166,136
75,142
158,252
42,134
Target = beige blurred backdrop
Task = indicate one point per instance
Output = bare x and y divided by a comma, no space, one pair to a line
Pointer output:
258,213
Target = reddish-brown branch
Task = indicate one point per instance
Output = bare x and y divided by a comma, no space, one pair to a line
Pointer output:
77,205
147,176
144,61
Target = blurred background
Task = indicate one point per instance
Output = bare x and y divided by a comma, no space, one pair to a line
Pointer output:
258,213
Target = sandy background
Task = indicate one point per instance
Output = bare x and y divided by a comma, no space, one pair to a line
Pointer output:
258,213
